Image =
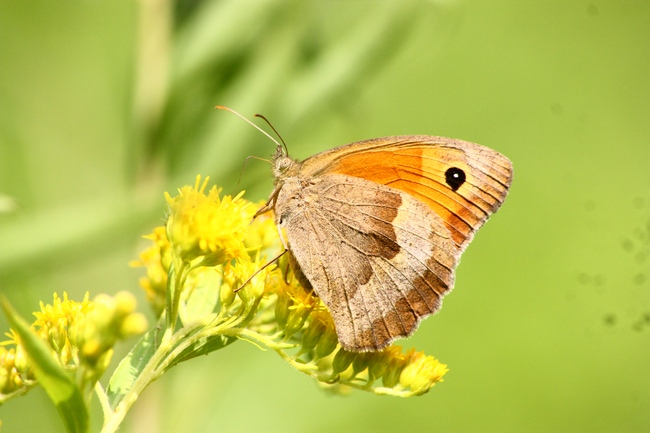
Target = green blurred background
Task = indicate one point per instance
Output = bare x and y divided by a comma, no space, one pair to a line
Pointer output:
104,105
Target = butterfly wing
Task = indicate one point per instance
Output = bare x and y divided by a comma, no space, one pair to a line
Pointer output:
378,258
462,182
377,227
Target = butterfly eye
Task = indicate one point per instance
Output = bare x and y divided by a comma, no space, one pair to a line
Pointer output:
285,163
455,177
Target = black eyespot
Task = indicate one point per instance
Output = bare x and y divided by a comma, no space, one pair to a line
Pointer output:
455,177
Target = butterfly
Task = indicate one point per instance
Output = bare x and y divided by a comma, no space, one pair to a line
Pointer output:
376,228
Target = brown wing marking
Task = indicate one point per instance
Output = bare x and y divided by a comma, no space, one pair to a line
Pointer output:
380,260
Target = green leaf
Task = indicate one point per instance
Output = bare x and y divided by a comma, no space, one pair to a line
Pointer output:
130,368
204,297
63,392
203,347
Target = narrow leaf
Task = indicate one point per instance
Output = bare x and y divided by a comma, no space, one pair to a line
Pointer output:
131,367
203,347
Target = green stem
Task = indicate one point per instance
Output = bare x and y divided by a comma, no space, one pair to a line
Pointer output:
178,272
178,288
103,400
171,281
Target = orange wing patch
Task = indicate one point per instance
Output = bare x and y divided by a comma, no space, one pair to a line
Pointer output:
419,170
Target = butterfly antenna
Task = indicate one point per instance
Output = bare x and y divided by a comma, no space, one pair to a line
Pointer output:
244,166
221,107
286,150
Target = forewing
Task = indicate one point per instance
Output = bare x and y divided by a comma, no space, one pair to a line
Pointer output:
419,165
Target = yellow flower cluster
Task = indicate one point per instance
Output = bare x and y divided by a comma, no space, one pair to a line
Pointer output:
57,324
81,336
419,372
210,250
110,319
303,317
15,375
207,241
157,260
205,226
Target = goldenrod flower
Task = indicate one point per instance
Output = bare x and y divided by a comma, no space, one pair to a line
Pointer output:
209,279
111,318
294,305
421,372
221,279
15,375
207,226
81,336
262,233
57,324
157,260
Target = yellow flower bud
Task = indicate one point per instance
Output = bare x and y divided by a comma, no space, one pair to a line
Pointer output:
313,334
328,342
394,366
378,365
91,350
20,361
133,324
156,259
4,380
282,311
125,303
342,360
226,295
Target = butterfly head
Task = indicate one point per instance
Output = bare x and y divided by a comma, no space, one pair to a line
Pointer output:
283,165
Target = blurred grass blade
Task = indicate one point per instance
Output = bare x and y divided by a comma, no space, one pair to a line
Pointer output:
63,392
345,66
131,367
227,51
221,31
